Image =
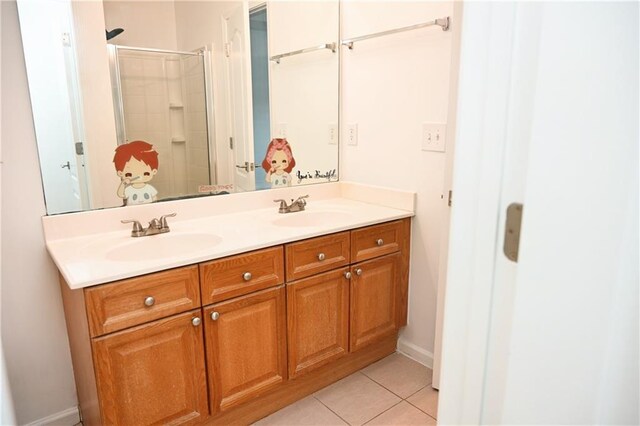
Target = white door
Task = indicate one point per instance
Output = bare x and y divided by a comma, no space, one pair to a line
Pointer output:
238,54
549,118
51,103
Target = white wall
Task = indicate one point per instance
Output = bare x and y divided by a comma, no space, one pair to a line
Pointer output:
304,88
390,86
200,24
145,23
33,330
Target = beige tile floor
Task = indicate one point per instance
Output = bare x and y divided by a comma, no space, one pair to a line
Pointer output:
394,391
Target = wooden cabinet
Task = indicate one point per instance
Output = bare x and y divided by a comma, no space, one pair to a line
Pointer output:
318,320
374,288
246,347
121,304
241,274
232,340
153,373
316,255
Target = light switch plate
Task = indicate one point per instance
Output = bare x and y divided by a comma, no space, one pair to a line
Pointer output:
352,134
434,136
282,130
333,134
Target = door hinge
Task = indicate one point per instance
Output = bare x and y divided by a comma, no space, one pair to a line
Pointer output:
450,199
227,49
512,231
231,142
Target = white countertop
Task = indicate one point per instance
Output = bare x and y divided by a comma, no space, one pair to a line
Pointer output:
96,258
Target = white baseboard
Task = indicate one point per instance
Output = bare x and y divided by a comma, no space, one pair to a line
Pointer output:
68,417
424,357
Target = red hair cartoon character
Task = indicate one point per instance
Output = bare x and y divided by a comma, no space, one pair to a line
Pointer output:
278,163
136,163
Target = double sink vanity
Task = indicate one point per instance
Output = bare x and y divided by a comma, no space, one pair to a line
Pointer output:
233,314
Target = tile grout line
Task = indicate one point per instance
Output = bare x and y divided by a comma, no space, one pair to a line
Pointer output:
328,408
383,386
376,416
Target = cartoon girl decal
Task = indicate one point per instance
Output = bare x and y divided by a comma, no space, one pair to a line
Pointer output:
278,163
136,163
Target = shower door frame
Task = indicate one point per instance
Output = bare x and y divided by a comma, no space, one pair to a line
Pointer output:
118,104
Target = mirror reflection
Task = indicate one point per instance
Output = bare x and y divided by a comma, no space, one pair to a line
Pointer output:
143,101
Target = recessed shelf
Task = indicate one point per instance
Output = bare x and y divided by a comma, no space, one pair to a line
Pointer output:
175,106
178,139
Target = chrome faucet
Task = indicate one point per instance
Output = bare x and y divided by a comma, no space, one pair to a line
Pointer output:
156,226
295,206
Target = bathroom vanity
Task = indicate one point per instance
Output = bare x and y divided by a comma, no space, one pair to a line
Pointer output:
229,339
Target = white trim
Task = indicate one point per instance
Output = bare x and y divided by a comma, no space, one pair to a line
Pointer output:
70,416
416,353
483,94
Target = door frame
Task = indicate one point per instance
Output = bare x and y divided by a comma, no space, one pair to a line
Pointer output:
486,70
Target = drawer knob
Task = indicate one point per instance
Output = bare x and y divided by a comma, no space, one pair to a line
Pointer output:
247,276
215,316
358,271
195,321
379,242
347,275
149,301
321,256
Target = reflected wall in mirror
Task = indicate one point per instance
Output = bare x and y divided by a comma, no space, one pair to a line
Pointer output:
232,95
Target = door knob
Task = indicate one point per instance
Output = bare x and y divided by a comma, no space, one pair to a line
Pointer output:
149,301
195,321
347,275
358,271
246,276
215,316
321,256
379,242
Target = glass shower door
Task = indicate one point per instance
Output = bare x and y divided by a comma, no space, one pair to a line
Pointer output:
160,98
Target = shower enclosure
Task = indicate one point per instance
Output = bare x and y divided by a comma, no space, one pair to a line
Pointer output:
160,96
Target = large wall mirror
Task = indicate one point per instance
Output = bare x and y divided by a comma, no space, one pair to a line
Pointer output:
143,101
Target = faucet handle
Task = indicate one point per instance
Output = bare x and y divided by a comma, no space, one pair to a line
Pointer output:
283,205
301,200
163,220
137,227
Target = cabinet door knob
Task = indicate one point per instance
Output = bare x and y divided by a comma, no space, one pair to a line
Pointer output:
347,275
247,276
358,271
149,301
215,316
379,242
321,256
195,321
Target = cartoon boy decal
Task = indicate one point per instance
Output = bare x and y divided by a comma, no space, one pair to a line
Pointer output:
278,163
136,163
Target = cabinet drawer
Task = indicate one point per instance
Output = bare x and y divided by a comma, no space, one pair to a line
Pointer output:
317,255
237,275
115,306
377,240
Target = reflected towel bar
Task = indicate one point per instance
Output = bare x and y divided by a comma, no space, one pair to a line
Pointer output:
277,58
441,22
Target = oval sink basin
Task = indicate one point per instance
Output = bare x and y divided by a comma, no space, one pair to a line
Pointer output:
309,219
161,246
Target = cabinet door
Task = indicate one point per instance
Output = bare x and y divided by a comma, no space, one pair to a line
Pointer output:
373,300
317,320
153,373
246,347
